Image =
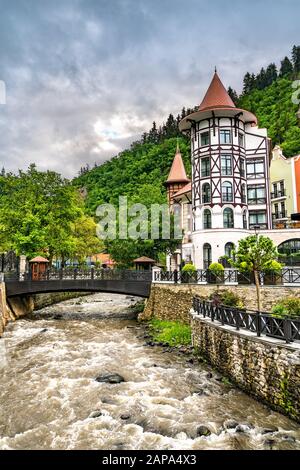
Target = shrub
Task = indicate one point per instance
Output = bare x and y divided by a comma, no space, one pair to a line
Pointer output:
189,268
274,267
216,268
289,307
226,297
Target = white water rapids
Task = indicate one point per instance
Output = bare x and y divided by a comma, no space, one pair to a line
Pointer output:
49,398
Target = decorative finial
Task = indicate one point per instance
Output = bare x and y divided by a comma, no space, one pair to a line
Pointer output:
215,69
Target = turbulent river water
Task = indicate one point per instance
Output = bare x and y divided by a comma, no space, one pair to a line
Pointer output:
49,398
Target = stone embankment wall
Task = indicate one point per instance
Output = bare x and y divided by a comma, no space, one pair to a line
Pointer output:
173,302
267,369
45,300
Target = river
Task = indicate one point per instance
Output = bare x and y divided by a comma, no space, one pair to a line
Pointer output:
49,397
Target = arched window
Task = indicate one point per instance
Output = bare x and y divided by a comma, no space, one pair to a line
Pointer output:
206,255
228,218
207,219
229,247
227,194
245,220
206,194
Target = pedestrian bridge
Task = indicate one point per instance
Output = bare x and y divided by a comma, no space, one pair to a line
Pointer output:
137,283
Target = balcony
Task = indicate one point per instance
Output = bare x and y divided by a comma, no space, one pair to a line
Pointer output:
279,215
257,201
281,224
260,226
278,194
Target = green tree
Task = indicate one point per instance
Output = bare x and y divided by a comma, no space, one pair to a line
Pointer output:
255,254
233,95
296,58
40,213
286,69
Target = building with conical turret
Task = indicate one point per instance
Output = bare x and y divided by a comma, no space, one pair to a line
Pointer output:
229,192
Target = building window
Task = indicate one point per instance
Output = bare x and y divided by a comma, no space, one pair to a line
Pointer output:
290,247
258,218
227,194
206,194
276,214
283,210
226,165
278,190
256,169
225,137
229,247
204,138
206,219
242,167
205,167
228,218
206,255
245,221
243,194
241,140
256,194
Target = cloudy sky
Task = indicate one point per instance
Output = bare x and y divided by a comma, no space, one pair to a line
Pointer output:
84,78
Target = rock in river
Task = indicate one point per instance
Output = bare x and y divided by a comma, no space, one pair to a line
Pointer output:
203,431
110,378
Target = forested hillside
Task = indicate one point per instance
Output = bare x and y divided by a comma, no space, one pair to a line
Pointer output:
138,173
141,171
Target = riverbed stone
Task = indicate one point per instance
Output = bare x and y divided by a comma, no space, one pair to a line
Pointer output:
230,424
110,378
269,430
203,431
96,414
125,416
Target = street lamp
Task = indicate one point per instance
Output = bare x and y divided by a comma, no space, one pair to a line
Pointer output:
256,229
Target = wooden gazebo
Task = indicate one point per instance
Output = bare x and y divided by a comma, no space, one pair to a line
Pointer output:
38,267
144,263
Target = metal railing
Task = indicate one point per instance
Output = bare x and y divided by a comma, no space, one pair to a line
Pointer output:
53,274
278,194
261,323
289,275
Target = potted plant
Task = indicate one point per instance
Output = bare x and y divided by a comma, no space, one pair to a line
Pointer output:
189,274
273,273
216,273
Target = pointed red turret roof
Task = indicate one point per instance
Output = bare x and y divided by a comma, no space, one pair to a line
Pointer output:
216,96
177,173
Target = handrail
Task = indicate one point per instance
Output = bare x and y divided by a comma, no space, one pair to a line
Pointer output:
261,323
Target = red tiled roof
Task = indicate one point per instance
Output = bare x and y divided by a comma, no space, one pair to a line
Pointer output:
186,189
38,259
216,96
177,173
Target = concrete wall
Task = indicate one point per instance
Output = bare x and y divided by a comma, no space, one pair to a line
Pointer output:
173,302
267,369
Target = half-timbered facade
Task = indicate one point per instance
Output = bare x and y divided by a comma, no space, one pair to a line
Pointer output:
230,187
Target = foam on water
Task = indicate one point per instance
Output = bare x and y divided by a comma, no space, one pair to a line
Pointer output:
48,391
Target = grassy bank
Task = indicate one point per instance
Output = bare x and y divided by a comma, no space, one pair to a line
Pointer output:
170,333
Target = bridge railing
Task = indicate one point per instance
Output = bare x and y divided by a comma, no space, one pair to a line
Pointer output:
288,276
261,323
83,274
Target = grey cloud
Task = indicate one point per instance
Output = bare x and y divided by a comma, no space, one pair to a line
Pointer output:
86,77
